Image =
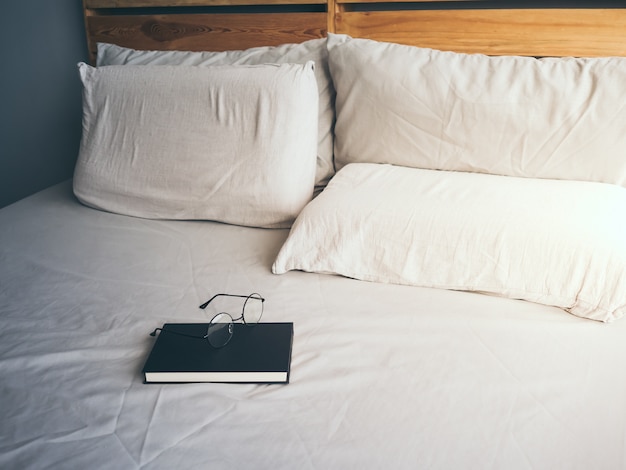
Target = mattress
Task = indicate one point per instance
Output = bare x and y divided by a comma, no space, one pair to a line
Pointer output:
382,376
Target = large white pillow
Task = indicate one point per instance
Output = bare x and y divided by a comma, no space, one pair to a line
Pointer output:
315,50
235,144
553,242
562,118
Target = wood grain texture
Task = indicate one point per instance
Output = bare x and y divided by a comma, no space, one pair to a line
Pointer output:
535,32
532,32
104,4
425,2
205,32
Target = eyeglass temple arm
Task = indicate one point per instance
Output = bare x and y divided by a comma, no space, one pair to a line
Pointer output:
205,304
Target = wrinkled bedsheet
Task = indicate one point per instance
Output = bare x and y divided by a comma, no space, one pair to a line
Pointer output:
382,376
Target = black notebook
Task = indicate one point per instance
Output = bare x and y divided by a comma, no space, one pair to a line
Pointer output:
259,354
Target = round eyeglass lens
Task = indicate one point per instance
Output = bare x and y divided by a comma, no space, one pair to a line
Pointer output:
253,309
220,330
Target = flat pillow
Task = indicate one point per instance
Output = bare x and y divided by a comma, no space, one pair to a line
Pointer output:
235,144
315,50
553,242
562,118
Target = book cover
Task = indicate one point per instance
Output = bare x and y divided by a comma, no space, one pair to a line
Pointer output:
257,354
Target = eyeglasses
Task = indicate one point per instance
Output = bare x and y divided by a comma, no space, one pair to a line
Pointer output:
220,329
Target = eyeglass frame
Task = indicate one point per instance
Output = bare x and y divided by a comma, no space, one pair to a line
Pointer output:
241,317
254,295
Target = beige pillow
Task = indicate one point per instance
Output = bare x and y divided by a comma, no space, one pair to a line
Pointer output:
561,118
315,50
552,242
235,144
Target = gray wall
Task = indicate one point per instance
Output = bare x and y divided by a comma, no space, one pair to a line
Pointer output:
40,94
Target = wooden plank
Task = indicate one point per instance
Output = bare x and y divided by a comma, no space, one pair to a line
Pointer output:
106,4
434,4
205,32
331,11
532,32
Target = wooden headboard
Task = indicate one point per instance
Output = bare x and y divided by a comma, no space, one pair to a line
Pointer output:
470,26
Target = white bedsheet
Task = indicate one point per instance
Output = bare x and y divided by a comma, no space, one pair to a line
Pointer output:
382,376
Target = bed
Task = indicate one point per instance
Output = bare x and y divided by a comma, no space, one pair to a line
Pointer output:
454,306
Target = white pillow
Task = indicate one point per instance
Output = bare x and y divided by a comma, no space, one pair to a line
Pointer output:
553,242
235,144
562,118
315,50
